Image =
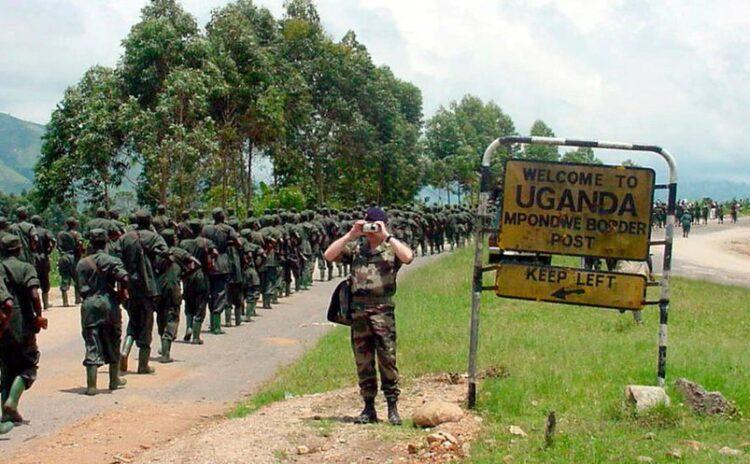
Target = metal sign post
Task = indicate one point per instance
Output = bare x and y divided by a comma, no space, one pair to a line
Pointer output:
597,188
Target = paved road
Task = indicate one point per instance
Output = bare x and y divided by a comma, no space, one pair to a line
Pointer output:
219,373
707,254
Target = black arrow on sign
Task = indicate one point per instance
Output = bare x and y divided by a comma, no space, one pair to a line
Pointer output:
562,294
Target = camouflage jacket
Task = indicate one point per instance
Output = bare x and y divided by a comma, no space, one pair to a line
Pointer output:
373,272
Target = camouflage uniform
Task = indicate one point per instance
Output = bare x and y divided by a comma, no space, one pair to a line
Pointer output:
373,331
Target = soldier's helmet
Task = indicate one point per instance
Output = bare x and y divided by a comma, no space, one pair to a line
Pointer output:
217,213
246,233
101,212
98,236
161,209
143,218
22,213
37,220
169,236
10,243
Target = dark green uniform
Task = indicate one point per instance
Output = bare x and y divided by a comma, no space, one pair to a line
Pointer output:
224,239
101,317
29,240
196,284
45,244
19,353
70,247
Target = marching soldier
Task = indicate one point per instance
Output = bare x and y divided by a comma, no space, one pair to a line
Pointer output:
6,313
223,237
141,250
70,246
196,284
161,221
26,232
19,353
45,244
101,221
99,276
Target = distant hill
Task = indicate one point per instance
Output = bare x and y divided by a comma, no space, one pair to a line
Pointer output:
20,145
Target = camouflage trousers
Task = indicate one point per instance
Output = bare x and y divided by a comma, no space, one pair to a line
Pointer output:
373,337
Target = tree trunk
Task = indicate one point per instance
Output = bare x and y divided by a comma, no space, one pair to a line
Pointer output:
249,177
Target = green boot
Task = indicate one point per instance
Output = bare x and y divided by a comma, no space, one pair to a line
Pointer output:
10,407
5,427
197,333
64,299
188,329
45,300
266,301
287,288
115,382
166,348
127,345
250,310
228,316
216,324
144,355
91,380
77,295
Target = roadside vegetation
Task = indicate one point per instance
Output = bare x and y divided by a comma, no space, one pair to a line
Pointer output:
575,361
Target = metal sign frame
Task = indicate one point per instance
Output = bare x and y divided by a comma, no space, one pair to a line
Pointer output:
480,230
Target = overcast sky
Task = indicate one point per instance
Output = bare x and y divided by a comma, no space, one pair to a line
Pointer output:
659,72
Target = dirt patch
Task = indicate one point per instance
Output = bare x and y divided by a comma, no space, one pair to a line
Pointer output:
318,429
117,436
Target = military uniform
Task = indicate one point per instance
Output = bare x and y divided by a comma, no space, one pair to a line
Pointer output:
6,308
196,284
223,237
141,250
101,317
45,244
373,331
26,232
19,353
70,247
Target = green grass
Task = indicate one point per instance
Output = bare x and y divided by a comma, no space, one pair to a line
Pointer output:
575,361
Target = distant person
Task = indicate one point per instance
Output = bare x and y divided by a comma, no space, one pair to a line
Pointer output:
687,222
720,213
375,257
734,211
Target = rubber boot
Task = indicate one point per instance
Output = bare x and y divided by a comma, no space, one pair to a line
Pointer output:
275,296
266,301
144,355
10,407
197,333
237,315
45,300
166,348
91,380
287,288
250,312
77,296
368,414
228,316
127,345
5,427
216,324
393,416
65,298
115,382
330,274
188,329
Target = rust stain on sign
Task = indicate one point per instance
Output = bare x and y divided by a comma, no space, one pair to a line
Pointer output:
576,209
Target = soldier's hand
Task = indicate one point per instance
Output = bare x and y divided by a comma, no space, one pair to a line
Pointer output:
382,232
356,230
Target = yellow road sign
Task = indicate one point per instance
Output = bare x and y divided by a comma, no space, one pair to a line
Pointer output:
577,209
571,286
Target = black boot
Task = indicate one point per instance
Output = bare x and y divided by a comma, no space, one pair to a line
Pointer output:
64,299
368,415
393,416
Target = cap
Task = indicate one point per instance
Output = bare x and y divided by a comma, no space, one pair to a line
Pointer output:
10,242
376,214
98,235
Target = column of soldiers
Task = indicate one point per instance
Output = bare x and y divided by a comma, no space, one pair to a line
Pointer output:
222,268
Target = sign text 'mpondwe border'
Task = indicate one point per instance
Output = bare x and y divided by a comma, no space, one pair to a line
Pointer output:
577,209
571,286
